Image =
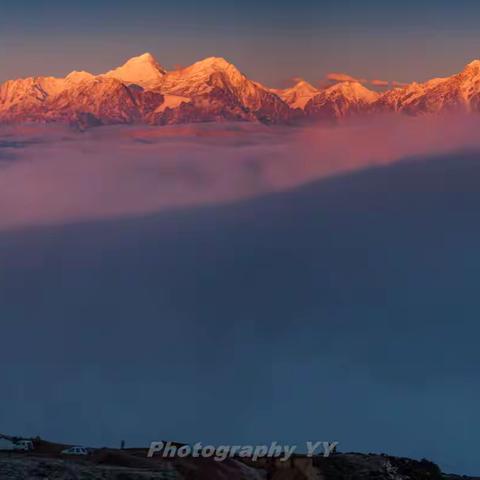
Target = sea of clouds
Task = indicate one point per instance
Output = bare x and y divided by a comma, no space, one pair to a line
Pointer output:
50,174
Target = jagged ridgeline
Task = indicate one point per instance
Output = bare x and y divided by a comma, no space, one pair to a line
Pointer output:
212,90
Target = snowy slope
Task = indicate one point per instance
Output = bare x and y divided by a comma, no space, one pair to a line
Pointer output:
213,89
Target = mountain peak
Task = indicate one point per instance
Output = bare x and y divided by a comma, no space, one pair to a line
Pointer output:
304,86
210,64
146,56
199,75
473,68
353,90
298,95
79,76
143,70
215,61
474,63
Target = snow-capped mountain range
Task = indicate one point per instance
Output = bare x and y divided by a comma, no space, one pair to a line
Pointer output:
142,91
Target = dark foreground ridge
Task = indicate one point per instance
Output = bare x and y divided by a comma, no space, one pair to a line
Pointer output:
46,461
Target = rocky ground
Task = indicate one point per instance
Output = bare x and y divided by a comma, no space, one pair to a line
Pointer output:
106,464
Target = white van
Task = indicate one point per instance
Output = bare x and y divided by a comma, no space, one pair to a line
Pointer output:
7,444
75,451
24,445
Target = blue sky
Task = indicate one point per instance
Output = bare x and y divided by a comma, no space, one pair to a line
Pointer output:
270,41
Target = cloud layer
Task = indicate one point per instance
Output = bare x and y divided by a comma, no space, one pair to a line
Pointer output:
53,175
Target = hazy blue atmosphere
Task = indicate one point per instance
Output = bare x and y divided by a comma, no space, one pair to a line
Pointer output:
345,310
271,41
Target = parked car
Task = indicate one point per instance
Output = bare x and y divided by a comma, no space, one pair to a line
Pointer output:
75,451
24,445
11,444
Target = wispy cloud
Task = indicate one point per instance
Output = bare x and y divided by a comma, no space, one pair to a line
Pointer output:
376,82
344,77
399,84
380,83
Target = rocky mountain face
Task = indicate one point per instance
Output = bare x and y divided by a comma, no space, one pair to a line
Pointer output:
213,90
340,101
459,93
298,95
